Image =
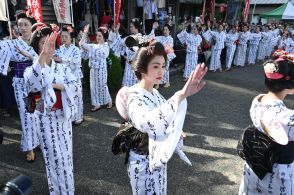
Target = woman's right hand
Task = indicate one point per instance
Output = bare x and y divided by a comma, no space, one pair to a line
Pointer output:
194,83
48,49
86,29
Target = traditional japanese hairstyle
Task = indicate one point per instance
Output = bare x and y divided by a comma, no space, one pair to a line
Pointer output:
279,72
145,55
39,30
68,29
168,26
104,31
137,23
24,14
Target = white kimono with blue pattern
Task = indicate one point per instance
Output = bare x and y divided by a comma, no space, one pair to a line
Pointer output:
231,48
168,43
71,57
240,55
280,181
216,50
253,47
29,139
163,121
192,42
54,126
97,54
263,45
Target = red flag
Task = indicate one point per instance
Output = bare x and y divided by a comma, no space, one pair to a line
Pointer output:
203,12
212,3
246,10
117,11
35,8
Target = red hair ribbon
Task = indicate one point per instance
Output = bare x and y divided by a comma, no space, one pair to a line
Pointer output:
274,75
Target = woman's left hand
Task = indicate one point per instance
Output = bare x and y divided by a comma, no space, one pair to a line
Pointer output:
194,83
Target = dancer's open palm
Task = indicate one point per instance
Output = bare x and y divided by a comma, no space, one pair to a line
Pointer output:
195,83
48,48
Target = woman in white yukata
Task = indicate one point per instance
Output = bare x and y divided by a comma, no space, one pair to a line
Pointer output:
97,54
240,56
162,120
253,46
54,88
192,41
120,49
264,44
168,43
290,48
283,42
230,42
218,44
20,54
70,55
270,115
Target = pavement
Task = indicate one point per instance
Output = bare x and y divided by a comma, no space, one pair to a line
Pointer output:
214,122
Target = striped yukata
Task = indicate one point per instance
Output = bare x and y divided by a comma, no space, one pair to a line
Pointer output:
253,47
168,43
216,49
29,138
54,124
240,56
280,181
263,45
71,57
97,54
231,48
193,42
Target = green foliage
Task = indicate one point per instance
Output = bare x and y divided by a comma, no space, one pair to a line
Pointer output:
114,74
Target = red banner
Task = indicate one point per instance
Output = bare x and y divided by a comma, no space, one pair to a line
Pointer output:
246,10
212,4
203,12
35,8
117,11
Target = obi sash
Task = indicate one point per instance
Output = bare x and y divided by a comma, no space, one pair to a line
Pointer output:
19,67
38,104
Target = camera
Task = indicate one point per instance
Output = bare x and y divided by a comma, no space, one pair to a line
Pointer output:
20,185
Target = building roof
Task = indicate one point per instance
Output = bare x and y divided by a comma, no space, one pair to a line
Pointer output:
269,1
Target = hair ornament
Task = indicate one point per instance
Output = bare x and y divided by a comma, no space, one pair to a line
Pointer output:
104,29
55,27
39,28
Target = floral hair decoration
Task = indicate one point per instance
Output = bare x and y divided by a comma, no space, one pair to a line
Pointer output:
54,27
39,28
270,70
103,29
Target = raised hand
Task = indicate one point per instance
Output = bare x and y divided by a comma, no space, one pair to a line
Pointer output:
117,26
194,83
48,49
86,28
155,25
